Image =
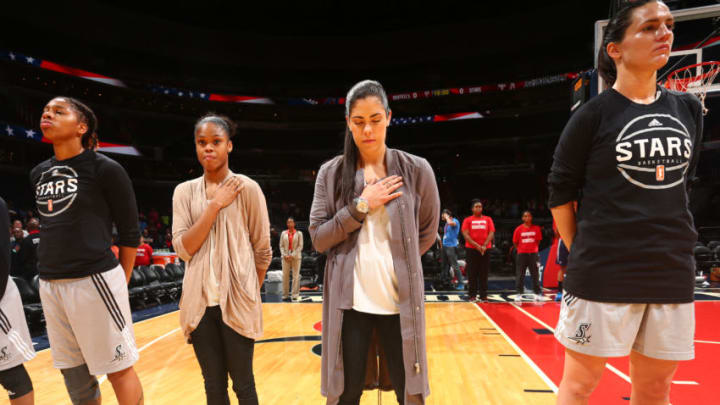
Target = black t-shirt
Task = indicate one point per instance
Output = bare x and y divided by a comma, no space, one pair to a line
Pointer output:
79,199
628,165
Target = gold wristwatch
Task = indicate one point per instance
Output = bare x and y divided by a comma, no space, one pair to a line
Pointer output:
361,205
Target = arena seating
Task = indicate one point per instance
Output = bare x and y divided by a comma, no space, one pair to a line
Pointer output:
31,305
155,284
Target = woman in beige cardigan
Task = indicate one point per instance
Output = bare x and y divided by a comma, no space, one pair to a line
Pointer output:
221,229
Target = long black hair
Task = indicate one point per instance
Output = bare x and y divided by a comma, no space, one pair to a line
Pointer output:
615,32
89,138
346,175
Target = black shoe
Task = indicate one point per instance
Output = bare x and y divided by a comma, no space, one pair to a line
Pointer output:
287,300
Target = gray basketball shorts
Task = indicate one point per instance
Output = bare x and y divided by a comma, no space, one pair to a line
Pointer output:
89,322
16,347
603,329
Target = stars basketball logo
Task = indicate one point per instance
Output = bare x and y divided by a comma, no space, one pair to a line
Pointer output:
581,337
4,355
56,190
653,151
119,354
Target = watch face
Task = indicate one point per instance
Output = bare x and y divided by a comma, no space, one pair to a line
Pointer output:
362,206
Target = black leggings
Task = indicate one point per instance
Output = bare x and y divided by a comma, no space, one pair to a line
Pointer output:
222,351
357,328
16,381
524,261
477,268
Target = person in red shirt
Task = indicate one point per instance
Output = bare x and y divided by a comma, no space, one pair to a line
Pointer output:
479,232
526,239
144,254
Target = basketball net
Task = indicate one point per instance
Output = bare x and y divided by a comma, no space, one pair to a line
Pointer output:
695,79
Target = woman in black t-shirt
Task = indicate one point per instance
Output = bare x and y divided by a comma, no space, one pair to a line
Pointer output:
80,194
626,157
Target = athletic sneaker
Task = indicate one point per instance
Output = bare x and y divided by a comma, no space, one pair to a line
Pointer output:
558,296
460,287
518,298
473,299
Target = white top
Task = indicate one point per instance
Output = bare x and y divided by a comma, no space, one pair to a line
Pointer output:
211,286
376,287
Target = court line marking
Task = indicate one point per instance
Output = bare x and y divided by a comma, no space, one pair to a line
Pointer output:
607,365
707,341
686,382
517,348
152,342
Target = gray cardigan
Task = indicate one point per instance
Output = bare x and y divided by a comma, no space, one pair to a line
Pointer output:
334,227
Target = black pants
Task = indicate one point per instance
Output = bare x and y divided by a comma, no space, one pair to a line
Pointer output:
477,268
525,260
449,259
222,351
357,330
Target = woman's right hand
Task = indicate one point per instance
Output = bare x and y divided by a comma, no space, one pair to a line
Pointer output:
380,192
227,192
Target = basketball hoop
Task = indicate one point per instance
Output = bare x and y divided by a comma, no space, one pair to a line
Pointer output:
695,79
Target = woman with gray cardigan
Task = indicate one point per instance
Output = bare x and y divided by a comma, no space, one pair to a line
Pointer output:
375,212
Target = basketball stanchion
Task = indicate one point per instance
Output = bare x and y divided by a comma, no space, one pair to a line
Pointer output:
695,79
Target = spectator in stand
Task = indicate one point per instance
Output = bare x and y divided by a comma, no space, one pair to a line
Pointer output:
144,254
17,224
155,239
449,248
167,240
146,236
153,216
479,232
16,249
142,221
28,250
526,239
291,246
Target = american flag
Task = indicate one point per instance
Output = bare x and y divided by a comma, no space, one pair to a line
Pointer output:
56,67
17,131
435,118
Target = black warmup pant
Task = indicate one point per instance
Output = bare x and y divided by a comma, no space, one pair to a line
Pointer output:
357,330
525,260
222,351
449,259
477,268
